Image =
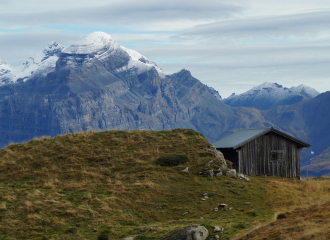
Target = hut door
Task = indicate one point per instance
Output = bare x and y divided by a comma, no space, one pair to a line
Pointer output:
276,158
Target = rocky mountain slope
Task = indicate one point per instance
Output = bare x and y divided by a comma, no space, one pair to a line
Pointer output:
269,95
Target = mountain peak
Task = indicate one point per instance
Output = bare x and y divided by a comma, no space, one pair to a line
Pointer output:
52,47
305,91
268,95
269,84
95,42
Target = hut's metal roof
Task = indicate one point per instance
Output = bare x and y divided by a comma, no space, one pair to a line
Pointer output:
244,136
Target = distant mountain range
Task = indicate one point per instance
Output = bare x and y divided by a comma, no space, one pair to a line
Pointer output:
269,95
98,84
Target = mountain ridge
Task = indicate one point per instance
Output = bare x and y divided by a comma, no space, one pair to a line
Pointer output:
269,95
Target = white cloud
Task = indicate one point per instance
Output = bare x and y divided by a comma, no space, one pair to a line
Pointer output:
129,13
300,26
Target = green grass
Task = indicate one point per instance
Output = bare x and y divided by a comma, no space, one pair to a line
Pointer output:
80,185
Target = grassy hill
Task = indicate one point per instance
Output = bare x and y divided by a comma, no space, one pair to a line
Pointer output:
81,185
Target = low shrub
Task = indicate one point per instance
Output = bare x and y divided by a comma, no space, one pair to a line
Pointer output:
281,216
103,236
240,225
71,230
172,160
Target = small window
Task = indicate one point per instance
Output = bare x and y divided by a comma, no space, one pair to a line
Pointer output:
276,155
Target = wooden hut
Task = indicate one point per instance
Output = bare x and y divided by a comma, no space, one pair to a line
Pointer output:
263,151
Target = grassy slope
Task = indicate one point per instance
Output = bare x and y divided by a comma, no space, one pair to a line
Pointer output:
78,185
304,216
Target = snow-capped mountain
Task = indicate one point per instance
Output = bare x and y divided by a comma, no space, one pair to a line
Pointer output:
215,93
306,91
269,95
95,46
41,63
100,46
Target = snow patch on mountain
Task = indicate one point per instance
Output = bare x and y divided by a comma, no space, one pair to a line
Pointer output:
140,62
43,63
215,93
306,91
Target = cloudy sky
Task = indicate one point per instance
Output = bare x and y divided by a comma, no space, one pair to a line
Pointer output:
229,45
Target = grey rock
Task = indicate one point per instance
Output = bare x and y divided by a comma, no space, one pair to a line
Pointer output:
185,170
208,173
231,173
242,177
217,154
218,173
247,203
189,233
209,163
247,179
129,238
216,237
217,229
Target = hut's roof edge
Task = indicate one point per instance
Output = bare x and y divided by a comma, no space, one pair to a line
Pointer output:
244,136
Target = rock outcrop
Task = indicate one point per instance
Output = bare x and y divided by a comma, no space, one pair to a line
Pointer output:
189,233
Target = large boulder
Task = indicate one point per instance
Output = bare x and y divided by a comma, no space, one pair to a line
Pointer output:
189,233
231,173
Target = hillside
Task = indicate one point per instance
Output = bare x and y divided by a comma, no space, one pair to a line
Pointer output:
79,185
302,222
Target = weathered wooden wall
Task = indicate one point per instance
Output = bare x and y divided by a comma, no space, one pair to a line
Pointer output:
254,158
